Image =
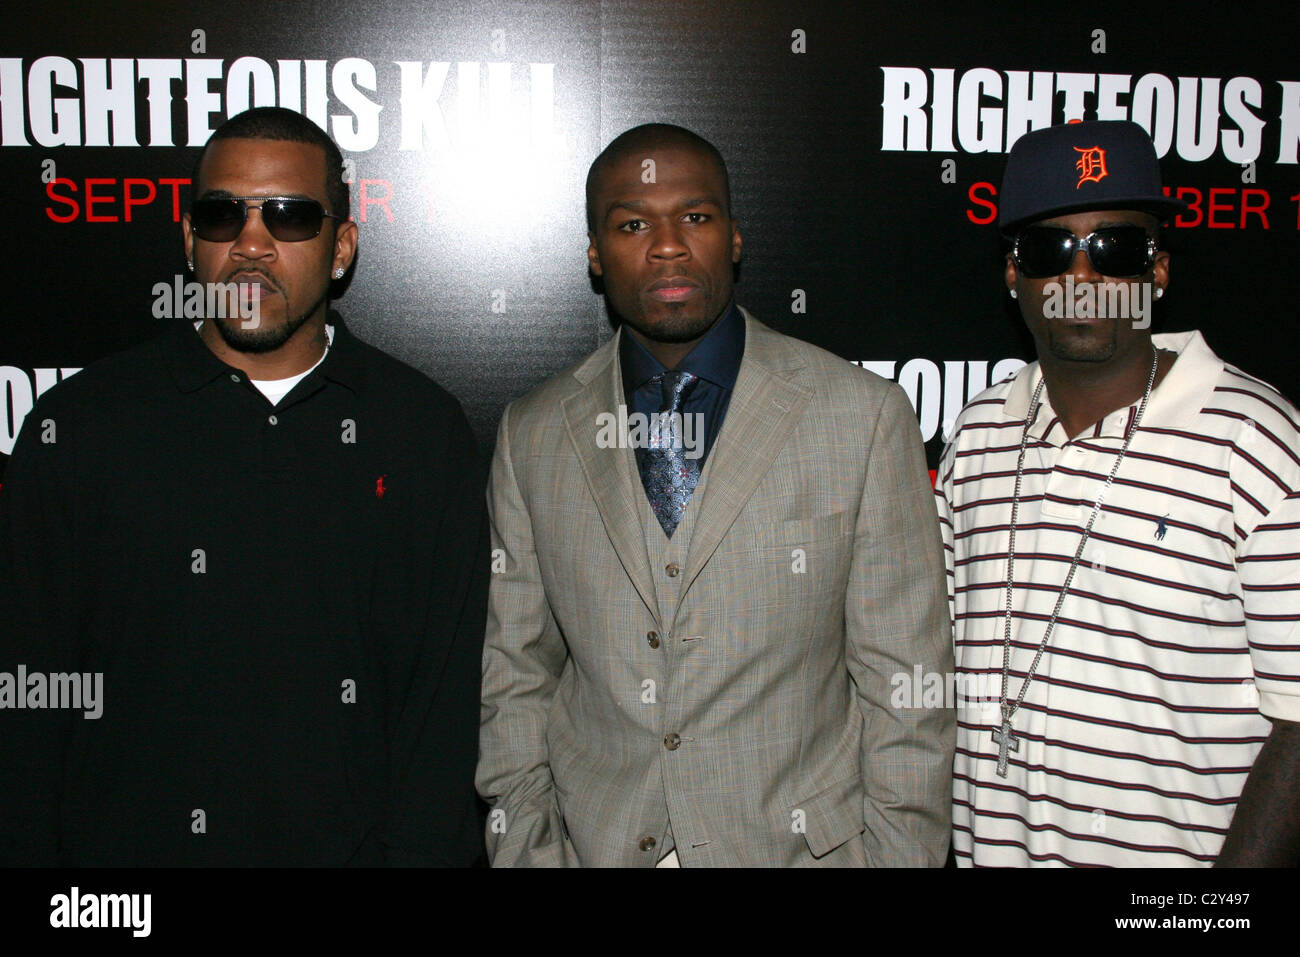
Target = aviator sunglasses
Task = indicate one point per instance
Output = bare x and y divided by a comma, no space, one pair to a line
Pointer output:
289,219
1042,251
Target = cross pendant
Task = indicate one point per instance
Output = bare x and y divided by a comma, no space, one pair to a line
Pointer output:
1006,742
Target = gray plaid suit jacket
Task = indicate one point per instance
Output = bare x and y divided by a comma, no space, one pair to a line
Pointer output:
777,681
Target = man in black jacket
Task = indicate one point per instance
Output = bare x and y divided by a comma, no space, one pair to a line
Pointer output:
243,567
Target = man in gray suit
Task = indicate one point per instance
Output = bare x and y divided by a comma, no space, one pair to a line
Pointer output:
714,547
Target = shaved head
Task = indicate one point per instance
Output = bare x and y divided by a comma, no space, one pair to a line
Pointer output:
640,141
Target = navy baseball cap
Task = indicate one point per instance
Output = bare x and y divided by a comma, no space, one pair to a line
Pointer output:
1077,166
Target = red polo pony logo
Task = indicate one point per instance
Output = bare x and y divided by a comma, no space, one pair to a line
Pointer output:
379,487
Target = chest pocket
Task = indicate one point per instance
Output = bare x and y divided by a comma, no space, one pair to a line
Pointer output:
809,555
796,569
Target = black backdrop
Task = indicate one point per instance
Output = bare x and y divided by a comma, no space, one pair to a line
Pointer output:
864,142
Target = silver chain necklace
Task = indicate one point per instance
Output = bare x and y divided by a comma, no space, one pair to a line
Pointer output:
1003,737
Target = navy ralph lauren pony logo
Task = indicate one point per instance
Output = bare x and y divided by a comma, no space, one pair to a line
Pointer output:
1162,527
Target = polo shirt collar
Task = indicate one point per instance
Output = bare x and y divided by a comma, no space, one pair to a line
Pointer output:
1174,403
343,363
193,364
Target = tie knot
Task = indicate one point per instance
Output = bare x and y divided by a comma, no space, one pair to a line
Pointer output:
674,386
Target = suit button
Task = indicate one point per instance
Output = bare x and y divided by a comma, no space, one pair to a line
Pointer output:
653,638
672,741
673,569
647,844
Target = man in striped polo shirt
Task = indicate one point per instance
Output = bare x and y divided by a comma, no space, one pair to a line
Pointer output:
1120,521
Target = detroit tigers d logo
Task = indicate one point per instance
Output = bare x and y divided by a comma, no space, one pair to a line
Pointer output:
1091,165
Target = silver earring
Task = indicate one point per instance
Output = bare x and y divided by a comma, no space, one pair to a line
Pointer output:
189,264
1159,292
1014,294
338,273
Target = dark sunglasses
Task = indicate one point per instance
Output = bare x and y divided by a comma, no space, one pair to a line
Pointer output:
1042,251
288,219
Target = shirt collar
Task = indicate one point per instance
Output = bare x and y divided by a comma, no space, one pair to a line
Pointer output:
1175,402
194,365
716,357
343,363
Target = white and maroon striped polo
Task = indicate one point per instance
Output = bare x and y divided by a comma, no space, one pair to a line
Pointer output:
1180,632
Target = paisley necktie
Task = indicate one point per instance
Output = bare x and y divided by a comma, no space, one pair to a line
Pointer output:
668,475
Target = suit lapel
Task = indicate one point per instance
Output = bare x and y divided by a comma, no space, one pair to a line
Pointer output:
608,471
767,403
